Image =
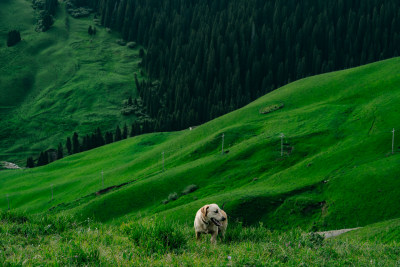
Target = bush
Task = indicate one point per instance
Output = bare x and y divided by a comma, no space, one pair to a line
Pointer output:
173,196
45,21
14,37
271,108
189,189
157,236
131,45
120,42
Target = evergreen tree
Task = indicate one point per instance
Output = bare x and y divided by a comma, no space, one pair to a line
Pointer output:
118,135
46,21
60,153
90,30
125,132
14,37
30,163
99,137
109,138
69,146
40,161
75,143
45,158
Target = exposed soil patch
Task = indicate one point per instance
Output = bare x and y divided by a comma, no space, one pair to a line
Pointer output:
333,233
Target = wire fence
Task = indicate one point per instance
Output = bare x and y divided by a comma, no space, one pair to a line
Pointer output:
216,145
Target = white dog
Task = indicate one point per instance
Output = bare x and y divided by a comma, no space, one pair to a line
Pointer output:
210,219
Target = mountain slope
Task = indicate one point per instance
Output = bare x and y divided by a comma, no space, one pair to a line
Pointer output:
337,170
60,81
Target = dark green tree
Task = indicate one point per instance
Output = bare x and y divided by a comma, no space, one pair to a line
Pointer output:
90,30
68,145
60,153
125,132
14,37
30,163
75,143
118,134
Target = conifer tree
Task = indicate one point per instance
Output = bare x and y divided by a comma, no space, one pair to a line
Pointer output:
30,163
45,158
75,143
99,137
69,145
125,132
90,31
14,37
60,153
40,161
118,135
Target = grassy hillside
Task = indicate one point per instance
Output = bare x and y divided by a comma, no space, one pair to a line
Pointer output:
340,172
60,81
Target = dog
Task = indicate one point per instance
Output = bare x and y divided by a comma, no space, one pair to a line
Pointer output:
210,219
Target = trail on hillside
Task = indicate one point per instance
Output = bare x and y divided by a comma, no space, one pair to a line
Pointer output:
9,165
333,233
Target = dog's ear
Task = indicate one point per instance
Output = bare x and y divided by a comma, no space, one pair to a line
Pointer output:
204,210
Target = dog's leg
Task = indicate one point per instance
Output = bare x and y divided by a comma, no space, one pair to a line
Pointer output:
214,237
197,236
223,233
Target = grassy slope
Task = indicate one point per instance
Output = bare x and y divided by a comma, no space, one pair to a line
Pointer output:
339,124
59,77
383,232
46,240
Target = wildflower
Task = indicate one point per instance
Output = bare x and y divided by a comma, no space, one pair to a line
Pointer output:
229,257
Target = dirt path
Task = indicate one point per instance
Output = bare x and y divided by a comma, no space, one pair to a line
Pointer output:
9,165
333,233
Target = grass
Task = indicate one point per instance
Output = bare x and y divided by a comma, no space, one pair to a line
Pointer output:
63,77
337,170
30,240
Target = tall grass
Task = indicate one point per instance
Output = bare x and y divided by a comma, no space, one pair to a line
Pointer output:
47,240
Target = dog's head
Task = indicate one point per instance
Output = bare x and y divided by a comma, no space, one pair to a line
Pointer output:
213,213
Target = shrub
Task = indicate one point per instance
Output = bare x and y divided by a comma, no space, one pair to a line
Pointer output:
14,37
173,196
271,108
131,45
189,189
120,42
45,21
165,201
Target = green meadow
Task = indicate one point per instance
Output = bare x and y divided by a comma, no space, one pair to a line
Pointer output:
314,155
56,82
337,170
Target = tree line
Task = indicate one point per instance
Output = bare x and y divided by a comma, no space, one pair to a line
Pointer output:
75,144
214,56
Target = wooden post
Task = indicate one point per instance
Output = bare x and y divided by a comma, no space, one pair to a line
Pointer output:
393,141
163,169
222,151
282,135
102,179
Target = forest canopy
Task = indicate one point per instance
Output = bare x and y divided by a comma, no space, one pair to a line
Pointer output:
214,56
